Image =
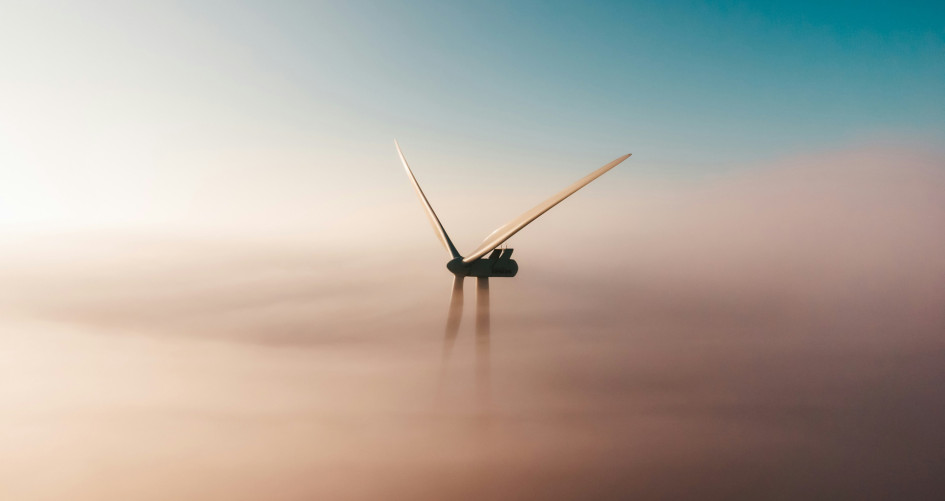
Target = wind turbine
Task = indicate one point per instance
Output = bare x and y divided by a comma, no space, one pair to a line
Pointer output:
498,264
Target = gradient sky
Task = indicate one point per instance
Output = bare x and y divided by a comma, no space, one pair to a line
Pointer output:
217,282
116,114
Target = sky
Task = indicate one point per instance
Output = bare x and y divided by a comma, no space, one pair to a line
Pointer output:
119,115
218,282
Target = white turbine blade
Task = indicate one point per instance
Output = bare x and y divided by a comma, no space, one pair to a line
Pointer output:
435,221
505,231
482,341
454,316
452,328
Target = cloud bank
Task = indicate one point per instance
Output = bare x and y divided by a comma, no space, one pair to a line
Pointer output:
772,333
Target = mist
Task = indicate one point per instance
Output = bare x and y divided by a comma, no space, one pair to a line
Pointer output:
773,332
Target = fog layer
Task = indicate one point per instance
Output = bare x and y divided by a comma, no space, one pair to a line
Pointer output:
771,334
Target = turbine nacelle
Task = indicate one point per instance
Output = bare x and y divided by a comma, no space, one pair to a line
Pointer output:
498,264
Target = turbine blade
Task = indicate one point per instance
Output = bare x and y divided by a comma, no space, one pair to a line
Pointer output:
482,343
452,327
435,221
505,231
454,316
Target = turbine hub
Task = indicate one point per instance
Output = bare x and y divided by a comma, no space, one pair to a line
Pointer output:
456,266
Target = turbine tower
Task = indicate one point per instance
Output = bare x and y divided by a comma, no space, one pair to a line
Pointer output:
498,264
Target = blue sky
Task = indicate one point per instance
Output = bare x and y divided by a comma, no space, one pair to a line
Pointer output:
682,82
154,109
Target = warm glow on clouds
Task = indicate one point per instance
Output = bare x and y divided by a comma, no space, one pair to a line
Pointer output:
760,327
